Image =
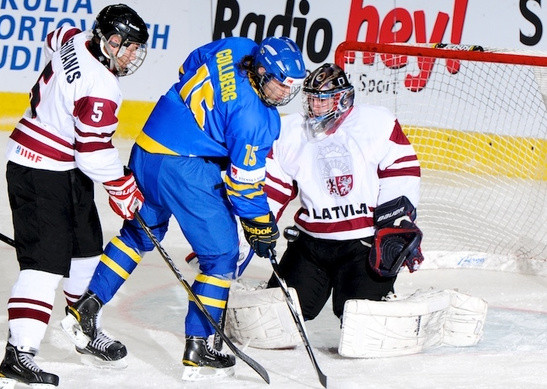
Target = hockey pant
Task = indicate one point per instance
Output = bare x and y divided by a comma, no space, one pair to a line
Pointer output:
192,190
315,267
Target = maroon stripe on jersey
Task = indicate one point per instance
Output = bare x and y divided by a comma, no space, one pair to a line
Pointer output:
95,112
406,159
407,171
29,301
278,181
397,135
341,226
276,195
28,313
90,147
94,134
46,134
39,147
69,34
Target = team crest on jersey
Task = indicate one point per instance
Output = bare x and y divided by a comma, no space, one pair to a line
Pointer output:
336,169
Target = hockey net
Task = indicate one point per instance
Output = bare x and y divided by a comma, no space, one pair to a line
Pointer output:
478,121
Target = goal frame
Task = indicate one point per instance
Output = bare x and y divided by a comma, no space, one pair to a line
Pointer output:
432,51
345,54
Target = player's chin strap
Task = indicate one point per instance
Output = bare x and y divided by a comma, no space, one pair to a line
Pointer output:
298,319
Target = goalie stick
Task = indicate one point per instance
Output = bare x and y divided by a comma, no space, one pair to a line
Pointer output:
7,240
298,319
241,355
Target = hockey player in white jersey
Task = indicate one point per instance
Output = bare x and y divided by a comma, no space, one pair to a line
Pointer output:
347,163
59,148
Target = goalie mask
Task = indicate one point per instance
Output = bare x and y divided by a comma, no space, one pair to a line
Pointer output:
119,39
327,99
282,72
397,239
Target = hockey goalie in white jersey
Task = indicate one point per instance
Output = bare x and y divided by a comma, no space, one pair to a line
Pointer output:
358,179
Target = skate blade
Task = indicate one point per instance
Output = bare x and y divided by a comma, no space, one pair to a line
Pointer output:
72,329
91,360
191,373
7,383
42,386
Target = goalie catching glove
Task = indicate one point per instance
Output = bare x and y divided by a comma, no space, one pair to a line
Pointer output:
125,196
261,233
397,239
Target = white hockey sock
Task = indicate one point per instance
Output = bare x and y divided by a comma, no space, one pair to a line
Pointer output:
81,271
30,306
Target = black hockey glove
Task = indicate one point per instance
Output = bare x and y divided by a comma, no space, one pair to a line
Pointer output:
261,233
397,238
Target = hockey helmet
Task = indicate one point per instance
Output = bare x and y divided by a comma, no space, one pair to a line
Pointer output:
327,97
282,60
121,20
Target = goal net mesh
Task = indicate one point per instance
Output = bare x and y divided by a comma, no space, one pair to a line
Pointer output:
478,121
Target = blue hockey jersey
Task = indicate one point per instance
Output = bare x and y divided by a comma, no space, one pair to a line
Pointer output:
214,111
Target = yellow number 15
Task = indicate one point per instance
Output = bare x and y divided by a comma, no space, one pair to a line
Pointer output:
250,155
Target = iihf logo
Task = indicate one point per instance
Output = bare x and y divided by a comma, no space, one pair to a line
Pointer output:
335,166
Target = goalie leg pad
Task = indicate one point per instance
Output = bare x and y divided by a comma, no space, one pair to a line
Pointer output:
465,320
373,329
261,318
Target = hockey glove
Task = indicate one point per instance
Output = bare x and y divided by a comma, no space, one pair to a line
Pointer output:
397,239
261,233
125,196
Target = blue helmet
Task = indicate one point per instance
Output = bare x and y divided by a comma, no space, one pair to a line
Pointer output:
282,60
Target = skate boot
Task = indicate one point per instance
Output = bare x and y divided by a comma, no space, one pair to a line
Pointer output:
202,362
104,352
96,346
19,366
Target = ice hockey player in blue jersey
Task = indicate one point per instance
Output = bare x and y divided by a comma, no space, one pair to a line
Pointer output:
220,115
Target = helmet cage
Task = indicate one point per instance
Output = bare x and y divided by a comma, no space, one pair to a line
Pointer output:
338,104
114,64
124,22
264,85
282,60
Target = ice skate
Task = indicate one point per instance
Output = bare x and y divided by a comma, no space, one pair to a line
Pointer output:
202,362
96,346
18,366
104,352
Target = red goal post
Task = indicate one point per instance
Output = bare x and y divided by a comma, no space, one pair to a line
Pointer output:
478,120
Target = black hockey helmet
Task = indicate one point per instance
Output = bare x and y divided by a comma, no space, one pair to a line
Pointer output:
121,20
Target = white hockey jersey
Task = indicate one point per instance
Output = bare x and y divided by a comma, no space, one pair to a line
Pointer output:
343,177
72,114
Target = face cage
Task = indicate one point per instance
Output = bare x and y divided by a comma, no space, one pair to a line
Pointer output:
317,126
131,67
262,84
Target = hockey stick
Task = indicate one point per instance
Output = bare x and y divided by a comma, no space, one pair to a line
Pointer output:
298,319
7,240
244,357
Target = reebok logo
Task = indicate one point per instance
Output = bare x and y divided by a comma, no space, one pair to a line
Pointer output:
258,230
